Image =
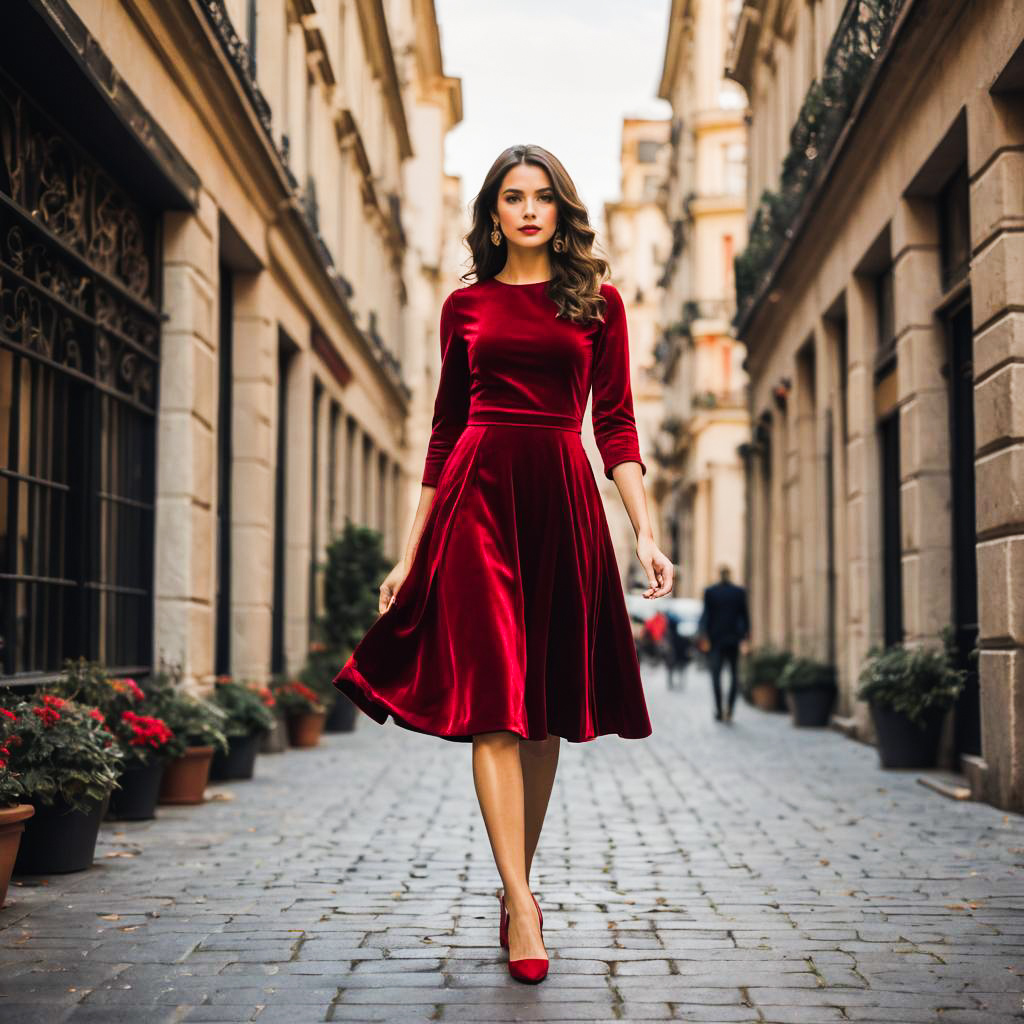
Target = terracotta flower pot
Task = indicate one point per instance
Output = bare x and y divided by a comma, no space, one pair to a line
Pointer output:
304,730
765,696
12,824
185,777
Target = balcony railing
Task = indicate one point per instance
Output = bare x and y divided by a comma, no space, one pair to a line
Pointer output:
862,34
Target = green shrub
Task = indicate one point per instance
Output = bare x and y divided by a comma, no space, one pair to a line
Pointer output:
912,680
195,721
764,665
806,673
246,712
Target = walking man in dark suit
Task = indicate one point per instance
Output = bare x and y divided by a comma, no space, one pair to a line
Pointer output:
724,626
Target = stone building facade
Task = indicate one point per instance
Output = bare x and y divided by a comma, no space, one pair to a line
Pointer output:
637,243
705,418
880,301
224,241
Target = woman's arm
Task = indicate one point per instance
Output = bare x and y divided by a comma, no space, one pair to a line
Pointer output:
616,437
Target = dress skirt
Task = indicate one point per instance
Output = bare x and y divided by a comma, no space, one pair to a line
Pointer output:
512,615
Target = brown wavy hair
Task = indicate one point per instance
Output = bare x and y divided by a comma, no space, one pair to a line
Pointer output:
576,274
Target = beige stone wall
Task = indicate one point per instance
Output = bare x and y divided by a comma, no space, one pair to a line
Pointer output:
942,108
349,122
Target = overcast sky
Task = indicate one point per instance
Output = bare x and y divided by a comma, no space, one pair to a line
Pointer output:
559,73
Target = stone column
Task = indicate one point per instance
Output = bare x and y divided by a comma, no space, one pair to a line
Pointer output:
864,626
298,495
923,395
995,127
252,477
186,466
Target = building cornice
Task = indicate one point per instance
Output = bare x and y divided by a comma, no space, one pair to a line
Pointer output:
373,23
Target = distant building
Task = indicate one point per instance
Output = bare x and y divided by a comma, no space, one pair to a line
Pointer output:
705,420
881,304
638,242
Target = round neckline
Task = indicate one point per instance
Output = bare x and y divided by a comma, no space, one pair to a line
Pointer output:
526,284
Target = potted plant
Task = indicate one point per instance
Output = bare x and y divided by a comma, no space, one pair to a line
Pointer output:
811,688
304,712
197,725
67,764
13,813
762,668
145,739
248,716
909,693
318,674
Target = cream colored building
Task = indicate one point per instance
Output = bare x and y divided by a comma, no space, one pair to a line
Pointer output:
701,363
881,296
227,225
637,241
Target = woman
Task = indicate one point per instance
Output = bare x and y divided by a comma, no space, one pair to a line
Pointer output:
505,621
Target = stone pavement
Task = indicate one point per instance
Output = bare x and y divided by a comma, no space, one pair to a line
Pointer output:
717,873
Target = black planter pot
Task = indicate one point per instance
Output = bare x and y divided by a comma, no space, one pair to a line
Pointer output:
140,787
812,705
58,839
901,743
342,716
240,760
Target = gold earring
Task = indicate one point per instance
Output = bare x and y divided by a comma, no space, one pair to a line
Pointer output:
558,243
496,235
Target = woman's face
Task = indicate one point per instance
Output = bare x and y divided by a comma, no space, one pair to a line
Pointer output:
527,200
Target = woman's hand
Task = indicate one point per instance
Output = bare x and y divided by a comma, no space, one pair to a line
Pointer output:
657,566
389,588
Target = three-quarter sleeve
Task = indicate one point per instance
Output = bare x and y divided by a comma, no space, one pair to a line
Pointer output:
612,408
451,406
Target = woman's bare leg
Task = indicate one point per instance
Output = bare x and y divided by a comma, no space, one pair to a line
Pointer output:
539,759
498,777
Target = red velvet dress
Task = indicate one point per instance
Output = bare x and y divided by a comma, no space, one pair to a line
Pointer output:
512,614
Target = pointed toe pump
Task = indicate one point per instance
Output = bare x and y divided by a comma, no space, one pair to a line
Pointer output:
503,920
528,969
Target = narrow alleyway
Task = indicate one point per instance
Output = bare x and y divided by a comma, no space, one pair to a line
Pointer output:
710,873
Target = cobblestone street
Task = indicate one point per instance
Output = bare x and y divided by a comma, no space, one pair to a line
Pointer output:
710,873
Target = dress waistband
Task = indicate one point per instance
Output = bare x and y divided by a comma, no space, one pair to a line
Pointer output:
521,418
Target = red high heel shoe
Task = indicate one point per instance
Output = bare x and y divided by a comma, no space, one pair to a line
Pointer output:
503,920
528,969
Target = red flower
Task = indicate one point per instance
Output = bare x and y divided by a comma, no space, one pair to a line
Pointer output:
48,715
8,714
146,731
303,691
54,702
130,687
98,715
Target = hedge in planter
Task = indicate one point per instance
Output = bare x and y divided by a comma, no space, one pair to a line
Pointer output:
67,764
197,725
144,739
811,688
762,668
909,693
248,717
